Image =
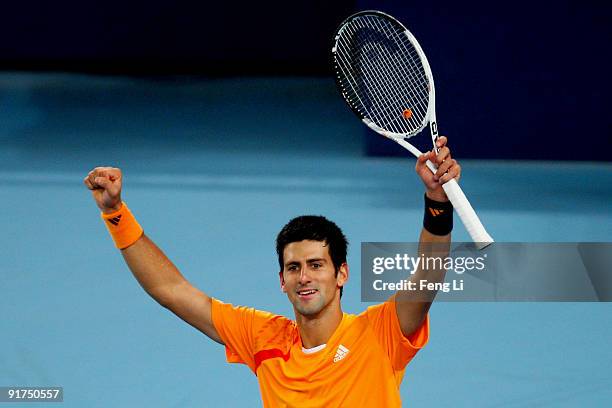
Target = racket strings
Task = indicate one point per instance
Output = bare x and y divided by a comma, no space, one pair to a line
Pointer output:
377,89
392,32
397,60
378,95
397,114
381,74
407,54
391,105
351,67
382,109
374,95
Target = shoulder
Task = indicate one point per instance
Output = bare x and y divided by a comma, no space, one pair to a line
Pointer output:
236,311
274,330
378,311
265,327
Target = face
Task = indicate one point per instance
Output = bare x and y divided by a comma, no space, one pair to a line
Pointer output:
309,278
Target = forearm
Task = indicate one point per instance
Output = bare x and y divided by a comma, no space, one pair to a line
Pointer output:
412,305
427,237
152,269
430,247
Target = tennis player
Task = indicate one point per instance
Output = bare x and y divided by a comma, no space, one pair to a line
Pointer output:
323,358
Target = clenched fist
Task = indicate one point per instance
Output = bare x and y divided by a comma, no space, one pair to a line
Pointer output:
105,186
448,168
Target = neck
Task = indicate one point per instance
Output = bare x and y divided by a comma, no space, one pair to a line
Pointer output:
316,330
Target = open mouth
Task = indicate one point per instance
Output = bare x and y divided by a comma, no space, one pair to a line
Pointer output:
306,293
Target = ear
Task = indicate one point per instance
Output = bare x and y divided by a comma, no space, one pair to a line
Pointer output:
343,275
282,281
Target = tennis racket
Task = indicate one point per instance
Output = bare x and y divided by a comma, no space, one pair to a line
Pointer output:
384,77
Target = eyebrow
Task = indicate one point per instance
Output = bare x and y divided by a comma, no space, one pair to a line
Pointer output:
322,260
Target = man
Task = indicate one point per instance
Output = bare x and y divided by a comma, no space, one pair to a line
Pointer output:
324,358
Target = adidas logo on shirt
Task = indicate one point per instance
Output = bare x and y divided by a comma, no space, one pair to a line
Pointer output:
340,353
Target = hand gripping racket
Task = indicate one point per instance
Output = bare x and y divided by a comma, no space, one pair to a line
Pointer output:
384,77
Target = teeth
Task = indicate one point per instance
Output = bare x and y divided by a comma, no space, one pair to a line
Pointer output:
307,292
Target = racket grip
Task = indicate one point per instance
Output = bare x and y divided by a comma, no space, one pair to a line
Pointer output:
467,214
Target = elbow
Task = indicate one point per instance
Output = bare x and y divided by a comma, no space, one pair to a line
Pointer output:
163,297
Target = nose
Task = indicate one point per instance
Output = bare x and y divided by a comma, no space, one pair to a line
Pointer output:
304,277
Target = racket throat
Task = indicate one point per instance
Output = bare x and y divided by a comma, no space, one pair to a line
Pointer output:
433,126
434,130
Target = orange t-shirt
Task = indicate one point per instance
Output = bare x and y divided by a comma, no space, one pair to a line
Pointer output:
362,364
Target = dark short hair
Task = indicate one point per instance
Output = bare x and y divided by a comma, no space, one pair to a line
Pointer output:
313,228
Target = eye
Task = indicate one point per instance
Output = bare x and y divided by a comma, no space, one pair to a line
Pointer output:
316,265
292,267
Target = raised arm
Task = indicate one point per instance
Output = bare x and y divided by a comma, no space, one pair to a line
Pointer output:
412,306
150,266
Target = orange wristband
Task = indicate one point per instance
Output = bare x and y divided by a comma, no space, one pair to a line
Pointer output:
123,227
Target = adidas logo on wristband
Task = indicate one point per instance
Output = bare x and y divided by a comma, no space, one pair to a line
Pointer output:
115,220
435,212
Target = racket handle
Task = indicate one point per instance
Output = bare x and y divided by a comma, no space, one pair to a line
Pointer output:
467,214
